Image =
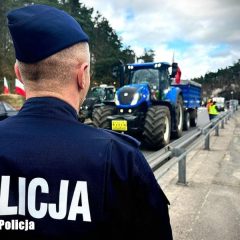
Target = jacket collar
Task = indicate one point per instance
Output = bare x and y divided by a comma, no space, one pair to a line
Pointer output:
48,107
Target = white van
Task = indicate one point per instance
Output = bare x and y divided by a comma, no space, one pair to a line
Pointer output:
220,103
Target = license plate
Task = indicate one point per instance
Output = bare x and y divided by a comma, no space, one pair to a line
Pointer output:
119,125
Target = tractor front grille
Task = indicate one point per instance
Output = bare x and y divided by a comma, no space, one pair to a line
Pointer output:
125,96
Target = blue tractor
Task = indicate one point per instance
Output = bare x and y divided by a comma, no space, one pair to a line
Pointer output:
150,105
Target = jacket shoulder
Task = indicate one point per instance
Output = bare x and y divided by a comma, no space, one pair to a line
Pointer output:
124,138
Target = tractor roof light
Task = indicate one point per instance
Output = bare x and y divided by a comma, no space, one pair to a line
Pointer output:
130,67
157,65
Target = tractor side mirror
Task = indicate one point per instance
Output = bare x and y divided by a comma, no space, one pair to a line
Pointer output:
115,72
118,71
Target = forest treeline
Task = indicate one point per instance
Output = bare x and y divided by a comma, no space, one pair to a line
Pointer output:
106,47
224,82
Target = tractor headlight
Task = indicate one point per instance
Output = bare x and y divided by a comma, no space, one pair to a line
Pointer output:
116,100
135,99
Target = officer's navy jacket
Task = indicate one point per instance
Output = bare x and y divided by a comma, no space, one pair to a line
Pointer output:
47,154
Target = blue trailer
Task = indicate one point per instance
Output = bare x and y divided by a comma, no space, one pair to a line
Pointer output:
191,92
150,106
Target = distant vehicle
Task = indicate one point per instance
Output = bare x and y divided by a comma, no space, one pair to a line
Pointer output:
95,98
6,110
233,104
220,103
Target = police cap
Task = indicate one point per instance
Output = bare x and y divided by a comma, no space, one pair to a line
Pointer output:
38,31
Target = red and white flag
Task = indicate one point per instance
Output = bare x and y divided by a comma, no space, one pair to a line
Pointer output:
5,87
19,88
178,76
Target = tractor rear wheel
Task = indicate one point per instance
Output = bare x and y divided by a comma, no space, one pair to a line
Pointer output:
186,123
157,127
99,116
179,118
193,118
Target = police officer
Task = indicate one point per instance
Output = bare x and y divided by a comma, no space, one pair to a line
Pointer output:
61,179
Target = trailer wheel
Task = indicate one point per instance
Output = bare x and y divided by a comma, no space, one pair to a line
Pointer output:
157,127
99,116
186,122
193,118
179,118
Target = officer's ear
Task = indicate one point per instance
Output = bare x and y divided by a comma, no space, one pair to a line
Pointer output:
17,72
83,76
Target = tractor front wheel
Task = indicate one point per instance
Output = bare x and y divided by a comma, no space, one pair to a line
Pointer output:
157,127
99,116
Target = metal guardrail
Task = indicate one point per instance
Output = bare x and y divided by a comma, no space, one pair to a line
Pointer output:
163,160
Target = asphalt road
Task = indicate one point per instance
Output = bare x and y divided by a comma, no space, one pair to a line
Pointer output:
202,120
208,207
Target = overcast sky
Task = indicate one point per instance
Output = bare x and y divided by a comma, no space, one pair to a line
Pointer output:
203,34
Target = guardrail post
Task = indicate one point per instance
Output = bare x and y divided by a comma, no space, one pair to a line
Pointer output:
222,124
217,130
207,142
178,152
229,116
226,120
182,171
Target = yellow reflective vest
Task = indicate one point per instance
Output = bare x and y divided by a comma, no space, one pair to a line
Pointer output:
213,110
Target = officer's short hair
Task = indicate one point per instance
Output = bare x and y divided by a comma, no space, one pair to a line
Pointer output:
58,66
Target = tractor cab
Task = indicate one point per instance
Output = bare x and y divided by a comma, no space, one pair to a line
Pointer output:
155,75
147,83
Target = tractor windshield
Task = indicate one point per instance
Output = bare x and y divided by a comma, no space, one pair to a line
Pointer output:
96,93
150,76
110,93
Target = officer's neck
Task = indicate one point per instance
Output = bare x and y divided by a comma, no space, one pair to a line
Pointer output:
69,98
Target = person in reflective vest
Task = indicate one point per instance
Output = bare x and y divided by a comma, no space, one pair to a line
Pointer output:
213,111
209,103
